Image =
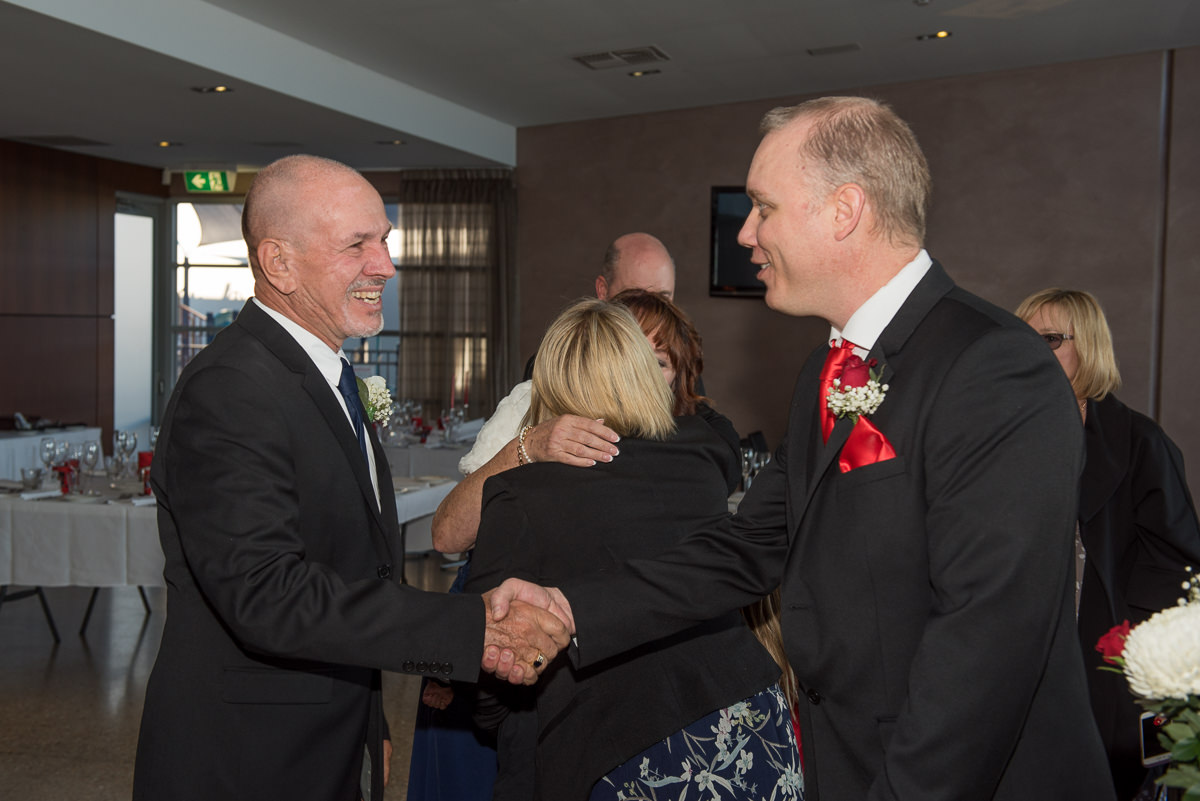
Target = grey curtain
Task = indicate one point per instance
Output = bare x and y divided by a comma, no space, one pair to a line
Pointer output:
456,278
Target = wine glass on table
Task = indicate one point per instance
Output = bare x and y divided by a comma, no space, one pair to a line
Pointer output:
90,457
46,452
128,448
749,456
118,442
74,467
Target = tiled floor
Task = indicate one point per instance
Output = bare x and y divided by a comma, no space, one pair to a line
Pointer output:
69,714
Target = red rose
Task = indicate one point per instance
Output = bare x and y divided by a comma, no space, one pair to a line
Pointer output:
856,373
1112,645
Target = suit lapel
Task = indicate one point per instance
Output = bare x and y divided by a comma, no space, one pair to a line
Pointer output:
292,356
318,390
387,497
931,288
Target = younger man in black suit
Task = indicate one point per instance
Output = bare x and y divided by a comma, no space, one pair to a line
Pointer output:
919,514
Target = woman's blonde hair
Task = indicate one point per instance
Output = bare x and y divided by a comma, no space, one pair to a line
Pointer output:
595,362
1097,374
763,618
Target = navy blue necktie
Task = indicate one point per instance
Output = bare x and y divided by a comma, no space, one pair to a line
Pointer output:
348,386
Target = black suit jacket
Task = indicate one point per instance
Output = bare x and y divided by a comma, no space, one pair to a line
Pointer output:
282,604
927,600
1139,528
548,522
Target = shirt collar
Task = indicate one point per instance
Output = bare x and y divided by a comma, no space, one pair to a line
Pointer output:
868,321
327,361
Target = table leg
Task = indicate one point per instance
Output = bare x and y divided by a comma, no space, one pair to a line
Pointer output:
41,596
87,615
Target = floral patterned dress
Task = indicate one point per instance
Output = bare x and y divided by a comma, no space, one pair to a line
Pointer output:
744,751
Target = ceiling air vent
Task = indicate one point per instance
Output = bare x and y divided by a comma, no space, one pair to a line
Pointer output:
835,49
627,57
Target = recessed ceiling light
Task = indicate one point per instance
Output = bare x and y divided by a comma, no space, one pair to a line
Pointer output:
938,35
643,73
168,143
212,90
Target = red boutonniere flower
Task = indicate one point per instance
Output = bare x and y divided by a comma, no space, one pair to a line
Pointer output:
856,372
1112,644
857,390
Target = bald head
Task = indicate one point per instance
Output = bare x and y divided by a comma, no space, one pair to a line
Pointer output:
277,205
316,233
636,261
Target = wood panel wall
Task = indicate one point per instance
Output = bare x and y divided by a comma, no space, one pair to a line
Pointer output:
56,280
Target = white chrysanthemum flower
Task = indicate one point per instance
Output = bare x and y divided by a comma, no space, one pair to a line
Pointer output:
1162,654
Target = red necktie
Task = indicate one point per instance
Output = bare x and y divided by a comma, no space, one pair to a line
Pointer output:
834,362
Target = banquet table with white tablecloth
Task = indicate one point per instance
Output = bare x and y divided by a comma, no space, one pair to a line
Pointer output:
419,460
102,542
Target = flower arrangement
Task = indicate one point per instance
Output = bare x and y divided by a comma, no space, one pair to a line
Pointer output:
375,397
1160,659
857,391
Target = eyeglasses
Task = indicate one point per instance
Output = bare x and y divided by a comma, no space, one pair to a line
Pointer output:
1054,340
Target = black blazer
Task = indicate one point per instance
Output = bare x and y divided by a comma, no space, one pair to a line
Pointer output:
928,600
548,522
1139,528
282,602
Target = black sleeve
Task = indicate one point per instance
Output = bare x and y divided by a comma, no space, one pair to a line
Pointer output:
724,428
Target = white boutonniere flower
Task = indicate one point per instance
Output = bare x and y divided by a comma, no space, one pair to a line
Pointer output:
375,397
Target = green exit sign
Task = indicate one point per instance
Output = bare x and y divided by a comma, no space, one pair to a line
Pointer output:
209,181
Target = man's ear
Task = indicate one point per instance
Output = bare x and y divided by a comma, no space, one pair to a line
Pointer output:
849,204
276,265
601,287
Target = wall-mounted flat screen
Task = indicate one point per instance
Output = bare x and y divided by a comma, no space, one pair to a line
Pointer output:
731,273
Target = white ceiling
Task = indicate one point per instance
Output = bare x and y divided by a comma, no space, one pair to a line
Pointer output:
455,79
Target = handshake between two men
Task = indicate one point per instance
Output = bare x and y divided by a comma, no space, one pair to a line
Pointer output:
527,625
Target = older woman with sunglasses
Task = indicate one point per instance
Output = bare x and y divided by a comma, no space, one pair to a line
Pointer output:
1137,524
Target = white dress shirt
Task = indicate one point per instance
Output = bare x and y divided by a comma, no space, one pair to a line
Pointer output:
868,321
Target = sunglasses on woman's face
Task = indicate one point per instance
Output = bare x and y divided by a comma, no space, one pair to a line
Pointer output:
1054,340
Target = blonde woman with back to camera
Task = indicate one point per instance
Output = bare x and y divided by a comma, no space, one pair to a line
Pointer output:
1137,527
702,707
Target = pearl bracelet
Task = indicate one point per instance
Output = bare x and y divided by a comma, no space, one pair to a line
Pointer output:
522,454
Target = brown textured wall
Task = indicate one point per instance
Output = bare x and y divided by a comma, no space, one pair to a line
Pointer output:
56,280
1181,321
1046,176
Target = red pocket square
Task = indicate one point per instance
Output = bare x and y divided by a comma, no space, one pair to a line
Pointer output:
865,445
